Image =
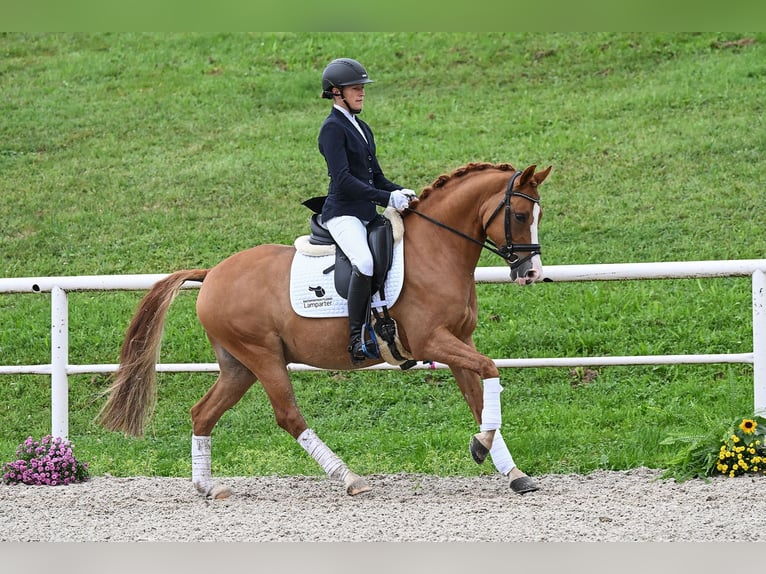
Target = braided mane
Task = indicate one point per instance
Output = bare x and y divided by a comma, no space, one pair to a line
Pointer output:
442,180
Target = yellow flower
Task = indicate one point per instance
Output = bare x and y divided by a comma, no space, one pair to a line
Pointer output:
748,426
755,469
734,438
751,450
734,467
731,474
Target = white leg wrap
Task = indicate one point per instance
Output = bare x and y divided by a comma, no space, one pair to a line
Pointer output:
202,477
327,459
501,456
491,418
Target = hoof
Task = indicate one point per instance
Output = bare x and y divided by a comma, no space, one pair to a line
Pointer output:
479,452
219,492
356,485
524,484
213,491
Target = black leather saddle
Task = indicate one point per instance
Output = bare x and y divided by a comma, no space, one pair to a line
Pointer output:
380,238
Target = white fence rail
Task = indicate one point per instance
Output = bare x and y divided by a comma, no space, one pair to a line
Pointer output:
59,367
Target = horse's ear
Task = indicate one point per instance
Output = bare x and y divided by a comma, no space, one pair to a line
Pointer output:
541,175
526,175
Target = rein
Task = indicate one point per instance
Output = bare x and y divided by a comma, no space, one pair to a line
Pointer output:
507,251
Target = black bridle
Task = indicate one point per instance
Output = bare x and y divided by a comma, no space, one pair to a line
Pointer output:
509,250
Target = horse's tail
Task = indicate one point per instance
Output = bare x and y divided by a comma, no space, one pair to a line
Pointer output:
133,392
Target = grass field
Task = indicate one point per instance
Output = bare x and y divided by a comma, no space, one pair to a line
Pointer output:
147,153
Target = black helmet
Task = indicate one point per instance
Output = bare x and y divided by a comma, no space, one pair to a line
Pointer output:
342,72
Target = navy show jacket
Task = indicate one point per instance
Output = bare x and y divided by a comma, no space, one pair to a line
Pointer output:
357,183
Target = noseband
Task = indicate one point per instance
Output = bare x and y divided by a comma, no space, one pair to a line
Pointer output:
507,251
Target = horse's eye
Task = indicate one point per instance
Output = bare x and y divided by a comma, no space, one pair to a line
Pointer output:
520,217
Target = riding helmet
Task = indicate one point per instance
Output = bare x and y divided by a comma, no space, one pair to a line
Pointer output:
342,72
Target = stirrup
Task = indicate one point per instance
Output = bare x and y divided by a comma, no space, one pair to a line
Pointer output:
357,353
363,348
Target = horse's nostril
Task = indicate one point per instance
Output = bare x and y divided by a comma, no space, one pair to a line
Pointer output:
532,276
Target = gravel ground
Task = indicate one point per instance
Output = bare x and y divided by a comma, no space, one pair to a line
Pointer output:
603,506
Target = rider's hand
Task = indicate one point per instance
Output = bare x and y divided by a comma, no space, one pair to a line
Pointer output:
400,199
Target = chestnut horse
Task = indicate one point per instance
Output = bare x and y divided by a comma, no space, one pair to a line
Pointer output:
244,307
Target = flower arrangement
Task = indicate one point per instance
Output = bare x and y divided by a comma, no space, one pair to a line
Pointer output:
49,461
744,449
731,450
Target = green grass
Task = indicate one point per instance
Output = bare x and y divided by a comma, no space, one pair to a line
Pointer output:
146,153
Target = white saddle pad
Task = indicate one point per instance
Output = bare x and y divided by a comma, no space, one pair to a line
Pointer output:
313,294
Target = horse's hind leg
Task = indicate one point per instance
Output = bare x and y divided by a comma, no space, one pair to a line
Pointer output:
271,370
232,383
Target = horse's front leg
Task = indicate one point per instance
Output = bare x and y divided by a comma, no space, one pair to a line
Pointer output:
470,385
483,399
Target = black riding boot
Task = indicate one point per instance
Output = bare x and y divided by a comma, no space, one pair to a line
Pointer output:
358,312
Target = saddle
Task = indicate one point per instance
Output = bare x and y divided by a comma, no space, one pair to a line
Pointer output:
380,238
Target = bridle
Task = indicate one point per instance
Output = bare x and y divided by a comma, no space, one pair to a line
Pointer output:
508,251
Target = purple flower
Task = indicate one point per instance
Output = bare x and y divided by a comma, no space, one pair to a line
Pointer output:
49,461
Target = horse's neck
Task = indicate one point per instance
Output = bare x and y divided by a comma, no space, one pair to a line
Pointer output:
459,202
458,206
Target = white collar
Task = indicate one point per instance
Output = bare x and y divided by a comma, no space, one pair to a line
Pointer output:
351,118
345,112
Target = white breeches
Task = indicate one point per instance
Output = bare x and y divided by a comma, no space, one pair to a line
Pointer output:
350,233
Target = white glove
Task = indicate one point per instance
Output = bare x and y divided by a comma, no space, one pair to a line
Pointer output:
400,199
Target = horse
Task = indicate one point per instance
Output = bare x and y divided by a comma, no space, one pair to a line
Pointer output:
244,308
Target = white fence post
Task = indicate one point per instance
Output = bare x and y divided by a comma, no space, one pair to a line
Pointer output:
759,341
59,363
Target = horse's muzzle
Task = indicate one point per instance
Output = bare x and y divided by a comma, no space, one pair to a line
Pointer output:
530,271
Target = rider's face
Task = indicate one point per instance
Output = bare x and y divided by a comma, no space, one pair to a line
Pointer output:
354,96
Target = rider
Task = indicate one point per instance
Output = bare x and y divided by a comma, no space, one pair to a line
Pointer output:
357,185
